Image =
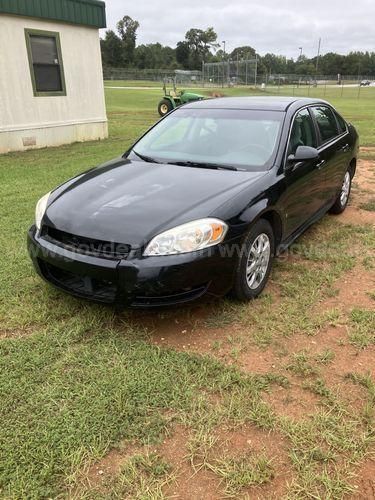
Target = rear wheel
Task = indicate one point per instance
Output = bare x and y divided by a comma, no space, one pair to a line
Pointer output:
255,263
165,106
342,200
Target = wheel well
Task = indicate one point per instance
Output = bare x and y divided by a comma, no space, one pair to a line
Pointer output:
275,220
353,167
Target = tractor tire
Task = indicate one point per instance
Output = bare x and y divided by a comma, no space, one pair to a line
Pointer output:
165,106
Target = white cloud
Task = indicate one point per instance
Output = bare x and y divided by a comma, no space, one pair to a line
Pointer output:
269,26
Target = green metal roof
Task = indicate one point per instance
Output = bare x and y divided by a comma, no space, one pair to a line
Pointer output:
86,12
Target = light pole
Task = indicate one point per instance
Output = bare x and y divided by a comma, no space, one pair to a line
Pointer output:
300,54
317,57
223,42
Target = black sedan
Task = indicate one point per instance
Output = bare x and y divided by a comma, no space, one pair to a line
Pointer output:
199,205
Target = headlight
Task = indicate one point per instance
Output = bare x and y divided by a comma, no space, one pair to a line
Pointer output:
188,237
40,210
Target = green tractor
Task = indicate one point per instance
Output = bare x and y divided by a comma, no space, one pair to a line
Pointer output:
173,98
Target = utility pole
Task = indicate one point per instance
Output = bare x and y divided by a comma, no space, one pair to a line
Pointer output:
224,42
317,57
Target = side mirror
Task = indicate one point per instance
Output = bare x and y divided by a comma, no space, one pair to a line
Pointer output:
303,153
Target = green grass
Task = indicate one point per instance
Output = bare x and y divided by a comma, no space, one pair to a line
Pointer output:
362,328
141,477
369,205
69,393
132,83
248,470
77,378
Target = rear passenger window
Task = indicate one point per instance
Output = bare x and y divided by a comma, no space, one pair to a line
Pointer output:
342,123
303,132
326,123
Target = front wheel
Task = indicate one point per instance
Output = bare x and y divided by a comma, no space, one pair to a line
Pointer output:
255,262
164,107
342,200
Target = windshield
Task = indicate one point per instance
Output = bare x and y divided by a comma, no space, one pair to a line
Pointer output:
245,139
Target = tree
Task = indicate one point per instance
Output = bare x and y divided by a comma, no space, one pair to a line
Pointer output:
119,50
245,52
154,56
183,54
200,42
127,29
112,50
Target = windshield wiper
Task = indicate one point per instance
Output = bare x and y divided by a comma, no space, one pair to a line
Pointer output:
198,164
145,158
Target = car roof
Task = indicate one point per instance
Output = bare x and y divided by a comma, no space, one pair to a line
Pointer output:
266,103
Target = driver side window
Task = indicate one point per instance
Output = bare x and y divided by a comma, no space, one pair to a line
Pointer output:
303,132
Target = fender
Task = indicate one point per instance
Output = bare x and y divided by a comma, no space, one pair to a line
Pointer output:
264,209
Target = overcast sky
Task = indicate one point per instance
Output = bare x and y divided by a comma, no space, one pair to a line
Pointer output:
278,26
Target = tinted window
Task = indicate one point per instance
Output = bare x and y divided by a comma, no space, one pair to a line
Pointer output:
326,123
342,123
45,61
303,132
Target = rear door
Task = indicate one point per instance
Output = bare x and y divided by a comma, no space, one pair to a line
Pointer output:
333,149
305,182
344,153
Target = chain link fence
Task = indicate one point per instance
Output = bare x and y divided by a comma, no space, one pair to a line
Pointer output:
238,73
322,85
230,73
181,77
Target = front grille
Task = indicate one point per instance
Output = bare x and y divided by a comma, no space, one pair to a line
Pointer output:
86,246
83,286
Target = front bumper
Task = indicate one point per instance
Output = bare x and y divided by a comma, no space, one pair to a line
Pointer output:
134,282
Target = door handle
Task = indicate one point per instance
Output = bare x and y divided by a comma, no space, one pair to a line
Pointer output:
320,164
345,148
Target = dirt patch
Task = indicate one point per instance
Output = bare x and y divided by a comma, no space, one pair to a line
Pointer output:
357,216
189,484
96,474
250,439
364,179
255,360
362,190
353,291
365,483
292,401
16,333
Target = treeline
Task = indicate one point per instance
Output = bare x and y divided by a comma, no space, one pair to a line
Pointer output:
120,50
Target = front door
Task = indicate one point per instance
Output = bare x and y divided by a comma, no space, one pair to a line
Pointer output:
305,182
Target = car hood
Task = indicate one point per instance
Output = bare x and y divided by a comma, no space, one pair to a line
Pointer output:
131,201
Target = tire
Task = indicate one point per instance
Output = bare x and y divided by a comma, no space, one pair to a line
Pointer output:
248,286
342,200
164,107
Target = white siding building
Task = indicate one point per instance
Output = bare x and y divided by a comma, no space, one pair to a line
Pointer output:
51,81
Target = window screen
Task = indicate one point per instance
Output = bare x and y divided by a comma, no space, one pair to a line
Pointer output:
326,123
46,63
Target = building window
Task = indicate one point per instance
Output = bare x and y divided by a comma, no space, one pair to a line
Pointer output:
46,65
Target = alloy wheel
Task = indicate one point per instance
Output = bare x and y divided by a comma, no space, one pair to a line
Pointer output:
345,189
258,261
